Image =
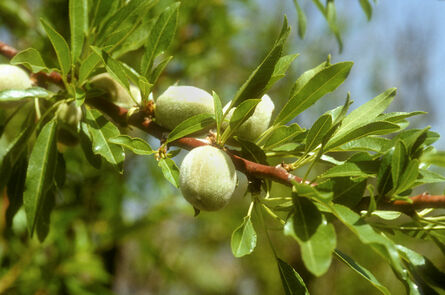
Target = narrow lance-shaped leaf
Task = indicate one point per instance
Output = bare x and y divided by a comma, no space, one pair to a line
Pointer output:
101,130
398,162
170,170
331,17
280,69
161,35
323,82
114,67
218,111
408,177
40,174
313,233
258,81
301,20
60,46
367,8
19,94
191,125
281,135
87,66
243,112
134,144
317,131
15,188
78,15
363,272
244,238
31,59
292,282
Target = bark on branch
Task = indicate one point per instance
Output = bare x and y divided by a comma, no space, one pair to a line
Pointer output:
143,121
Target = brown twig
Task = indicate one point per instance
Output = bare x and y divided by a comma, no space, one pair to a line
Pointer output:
143,121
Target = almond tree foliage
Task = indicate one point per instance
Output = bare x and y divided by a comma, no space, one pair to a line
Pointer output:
372,161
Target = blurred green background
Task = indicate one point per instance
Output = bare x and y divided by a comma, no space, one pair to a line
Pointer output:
134,233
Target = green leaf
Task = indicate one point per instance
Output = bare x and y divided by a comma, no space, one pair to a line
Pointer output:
161,36
408,177
60,46
398,162
280,69
314,234
78,15
281,135
367,8
427,176
331,17
191,125
136,39
323,82
292,282
368,143
252,152
87,66
170,170
87,147
101,130
218,111
387,215
365,113
363,272
347,191
373,128
243,240
113,67
353,169
258,81
15,188
318,131
31,59
134,144
19,94
301,20
306,190
308,75
157,71
240,115
40,174
43,219
398,116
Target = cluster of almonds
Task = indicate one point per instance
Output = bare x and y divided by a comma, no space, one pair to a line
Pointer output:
208,179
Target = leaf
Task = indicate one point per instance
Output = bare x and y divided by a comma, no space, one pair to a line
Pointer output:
40,174
44,218
19,94
170,170
367,8
161,36
313,233
365,113
397,116
240,115
301,20
353,169
368,143
387,215
258,81
280,69
87,146
87,66
408,177
60,46
191,125
157,71
363,272
347,191
317,132
373,128
244,238
398,162
331,17
15,188
218,111
323,82
114,67
134,144
31,59
252,152
427,176
281,135
136,39
101,130
292,282
78,15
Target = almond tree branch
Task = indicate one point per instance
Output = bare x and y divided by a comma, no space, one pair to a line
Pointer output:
143,120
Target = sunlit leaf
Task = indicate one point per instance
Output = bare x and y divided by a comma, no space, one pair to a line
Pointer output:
244,238
170,170
78,15
134,144
60,46
31,59
191,125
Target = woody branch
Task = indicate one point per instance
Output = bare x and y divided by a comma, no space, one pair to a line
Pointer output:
142,120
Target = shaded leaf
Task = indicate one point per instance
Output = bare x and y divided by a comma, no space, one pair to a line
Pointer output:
78,15
60,46
301,20
40,175
398,162
280,69
191,125
101,130
318,131
281,135
367,8
88,65
218,111
15,188
408,177
244,238
240,115
31,59
134,144
293,284
170,170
